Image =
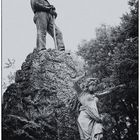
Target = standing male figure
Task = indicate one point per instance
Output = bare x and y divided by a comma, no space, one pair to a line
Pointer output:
43,18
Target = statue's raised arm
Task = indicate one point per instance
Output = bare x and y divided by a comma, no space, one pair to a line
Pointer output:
76,83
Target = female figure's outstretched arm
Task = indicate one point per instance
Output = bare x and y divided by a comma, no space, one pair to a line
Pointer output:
111,90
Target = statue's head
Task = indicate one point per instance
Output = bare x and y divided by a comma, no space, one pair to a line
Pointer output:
91,84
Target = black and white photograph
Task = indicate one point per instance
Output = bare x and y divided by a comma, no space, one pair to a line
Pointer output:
69,69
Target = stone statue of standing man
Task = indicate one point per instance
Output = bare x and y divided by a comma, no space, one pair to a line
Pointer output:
44,20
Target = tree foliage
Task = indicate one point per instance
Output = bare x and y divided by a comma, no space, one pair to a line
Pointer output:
113,57
9,79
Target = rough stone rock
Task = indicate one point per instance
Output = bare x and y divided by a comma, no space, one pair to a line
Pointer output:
36,106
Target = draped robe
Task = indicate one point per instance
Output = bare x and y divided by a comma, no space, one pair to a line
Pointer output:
88,125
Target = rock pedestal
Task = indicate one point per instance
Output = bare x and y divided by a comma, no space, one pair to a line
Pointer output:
36,106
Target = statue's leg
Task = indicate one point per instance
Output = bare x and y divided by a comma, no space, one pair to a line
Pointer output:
59,36
41,25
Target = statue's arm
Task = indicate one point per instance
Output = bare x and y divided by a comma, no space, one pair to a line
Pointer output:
40,5
97,118
102,94
76,84
111,90
94,114
77,79
77,87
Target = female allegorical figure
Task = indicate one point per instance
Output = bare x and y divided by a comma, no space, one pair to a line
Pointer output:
90,122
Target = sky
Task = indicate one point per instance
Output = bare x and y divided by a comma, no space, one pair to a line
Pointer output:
77,20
